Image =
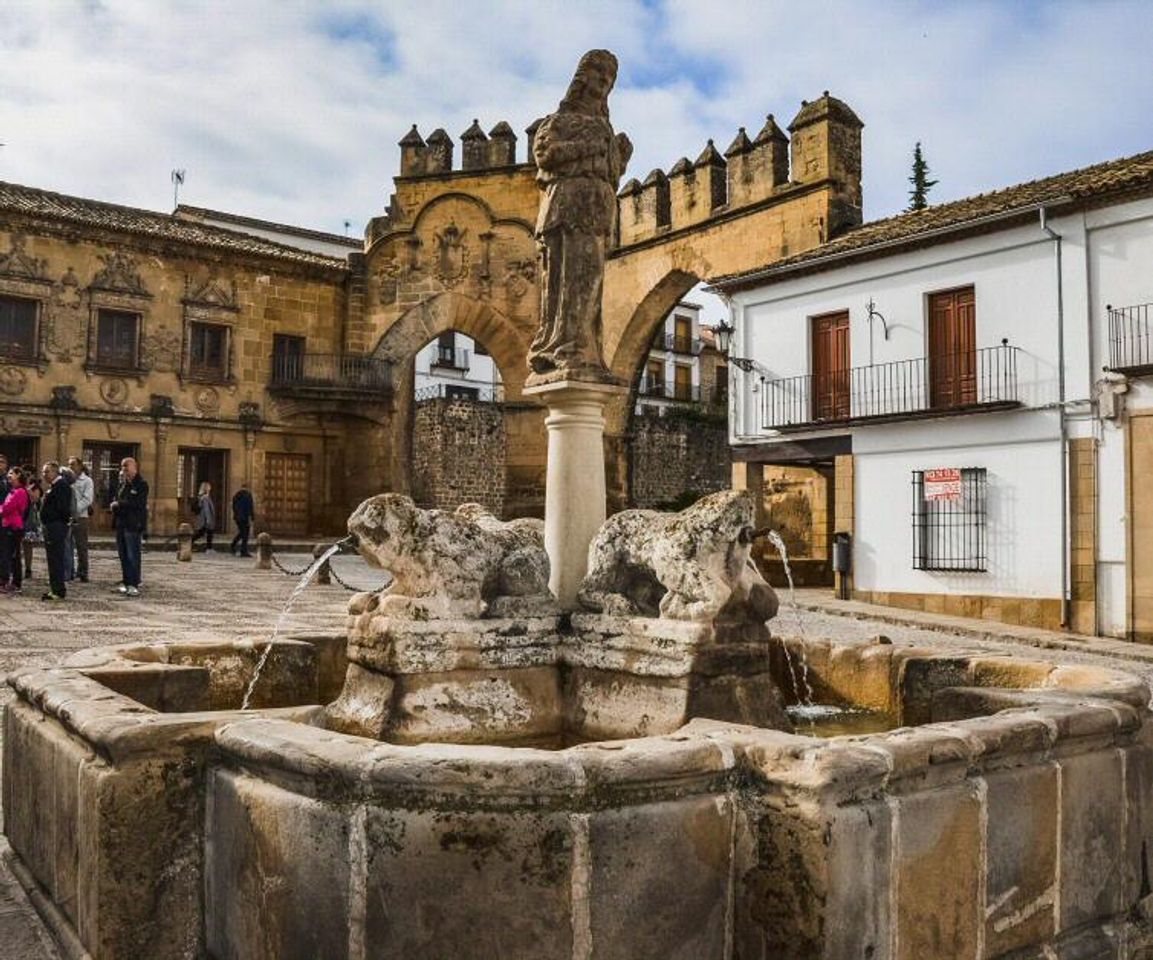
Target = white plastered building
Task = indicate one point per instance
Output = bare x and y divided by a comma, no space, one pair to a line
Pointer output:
973,378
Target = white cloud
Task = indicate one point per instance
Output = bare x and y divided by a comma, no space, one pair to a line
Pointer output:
291,110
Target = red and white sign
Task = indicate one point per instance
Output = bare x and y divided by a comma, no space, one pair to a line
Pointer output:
943,486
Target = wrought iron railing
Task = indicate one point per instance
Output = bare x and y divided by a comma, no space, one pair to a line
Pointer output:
1130,336
679,344
344,371
454,357
921,386
669,390
451,391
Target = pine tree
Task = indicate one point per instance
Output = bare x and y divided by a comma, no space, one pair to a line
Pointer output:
920,181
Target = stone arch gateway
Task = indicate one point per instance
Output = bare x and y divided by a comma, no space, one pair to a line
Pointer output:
455,247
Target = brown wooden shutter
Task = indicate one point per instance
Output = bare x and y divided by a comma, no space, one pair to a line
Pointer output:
953,348
831,366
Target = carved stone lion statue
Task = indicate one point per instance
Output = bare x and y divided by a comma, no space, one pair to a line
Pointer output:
692,565
462,564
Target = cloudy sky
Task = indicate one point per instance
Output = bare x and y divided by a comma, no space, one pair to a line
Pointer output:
290,110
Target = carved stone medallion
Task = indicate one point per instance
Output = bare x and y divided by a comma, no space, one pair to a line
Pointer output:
13,380
114,391
207,400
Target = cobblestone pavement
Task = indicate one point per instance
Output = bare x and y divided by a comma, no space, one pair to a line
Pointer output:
222,596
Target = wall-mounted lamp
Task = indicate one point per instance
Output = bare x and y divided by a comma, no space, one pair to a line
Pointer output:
875,314
724,334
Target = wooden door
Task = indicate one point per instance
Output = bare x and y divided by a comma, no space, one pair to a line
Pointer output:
831,366
683,382
286,488
953,348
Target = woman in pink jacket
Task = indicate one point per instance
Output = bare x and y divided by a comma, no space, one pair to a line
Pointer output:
12,512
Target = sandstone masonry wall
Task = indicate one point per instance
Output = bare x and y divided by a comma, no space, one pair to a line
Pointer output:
458,454
673,458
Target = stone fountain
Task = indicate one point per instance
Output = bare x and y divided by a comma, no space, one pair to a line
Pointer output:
570,740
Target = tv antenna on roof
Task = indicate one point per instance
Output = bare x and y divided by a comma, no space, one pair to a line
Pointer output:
177,183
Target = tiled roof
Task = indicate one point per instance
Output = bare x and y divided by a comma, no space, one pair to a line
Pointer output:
186,212
937,223
148,223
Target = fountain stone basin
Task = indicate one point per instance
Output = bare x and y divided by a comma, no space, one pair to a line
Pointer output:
1017,816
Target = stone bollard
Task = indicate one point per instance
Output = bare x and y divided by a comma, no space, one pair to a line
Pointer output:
184,543
264,551
324,574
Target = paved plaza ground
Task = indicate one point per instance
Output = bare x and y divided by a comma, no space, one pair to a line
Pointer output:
222,596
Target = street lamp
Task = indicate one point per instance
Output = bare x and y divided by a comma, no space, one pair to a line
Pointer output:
724,334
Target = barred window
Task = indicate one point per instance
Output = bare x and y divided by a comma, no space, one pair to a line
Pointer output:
950,515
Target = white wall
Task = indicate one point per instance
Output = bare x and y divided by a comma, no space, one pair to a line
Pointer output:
1022,454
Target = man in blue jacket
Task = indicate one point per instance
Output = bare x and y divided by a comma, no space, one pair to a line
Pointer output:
130,517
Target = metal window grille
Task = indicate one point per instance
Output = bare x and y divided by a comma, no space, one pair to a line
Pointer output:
951,534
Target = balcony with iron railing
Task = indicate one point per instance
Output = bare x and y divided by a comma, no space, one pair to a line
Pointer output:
977,381
678,344
668,390
452,358
451,391
331,376
1131,338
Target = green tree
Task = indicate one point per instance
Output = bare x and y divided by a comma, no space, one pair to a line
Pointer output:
918,196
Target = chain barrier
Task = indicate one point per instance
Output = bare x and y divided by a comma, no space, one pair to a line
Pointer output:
331,572
292,573
336,576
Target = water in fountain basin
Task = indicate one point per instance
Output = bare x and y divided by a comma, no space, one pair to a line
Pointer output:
305,580
803,689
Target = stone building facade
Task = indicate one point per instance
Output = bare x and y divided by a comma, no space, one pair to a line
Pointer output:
131,333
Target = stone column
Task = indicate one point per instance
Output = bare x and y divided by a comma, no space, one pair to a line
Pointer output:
62,427
249,457
575,478
155,513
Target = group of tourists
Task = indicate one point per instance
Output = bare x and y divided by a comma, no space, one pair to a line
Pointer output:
54,508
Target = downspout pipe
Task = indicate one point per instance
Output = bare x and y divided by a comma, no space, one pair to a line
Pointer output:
1064,427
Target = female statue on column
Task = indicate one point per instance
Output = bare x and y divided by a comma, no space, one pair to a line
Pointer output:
580,161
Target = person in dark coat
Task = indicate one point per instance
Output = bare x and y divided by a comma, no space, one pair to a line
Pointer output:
55,515
243,512
130,517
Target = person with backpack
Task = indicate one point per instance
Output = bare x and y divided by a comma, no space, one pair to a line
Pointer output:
205,523
12,513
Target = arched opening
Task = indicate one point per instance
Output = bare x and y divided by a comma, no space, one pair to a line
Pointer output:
672,428
462,431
